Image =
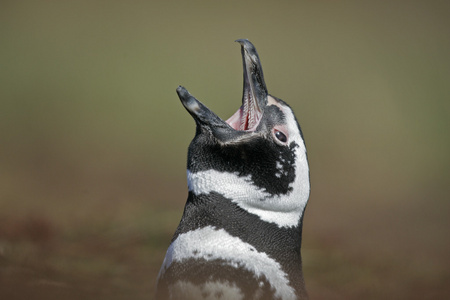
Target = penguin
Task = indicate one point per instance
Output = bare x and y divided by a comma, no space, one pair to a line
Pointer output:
248,185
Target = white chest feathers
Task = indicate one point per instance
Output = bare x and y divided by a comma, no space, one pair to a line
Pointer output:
209,243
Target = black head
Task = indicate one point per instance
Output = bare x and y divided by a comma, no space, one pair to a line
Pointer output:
256,158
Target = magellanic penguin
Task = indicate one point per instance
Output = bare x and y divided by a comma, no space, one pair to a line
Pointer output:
248,178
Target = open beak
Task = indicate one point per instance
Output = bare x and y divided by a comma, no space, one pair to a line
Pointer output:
254,100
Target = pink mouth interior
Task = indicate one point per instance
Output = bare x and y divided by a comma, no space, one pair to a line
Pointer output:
247,117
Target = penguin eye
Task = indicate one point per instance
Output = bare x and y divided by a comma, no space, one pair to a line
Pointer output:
280,136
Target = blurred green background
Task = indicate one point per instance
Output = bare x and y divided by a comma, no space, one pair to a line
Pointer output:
93,138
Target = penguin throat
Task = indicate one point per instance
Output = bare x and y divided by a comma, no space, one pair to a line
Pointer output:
247,117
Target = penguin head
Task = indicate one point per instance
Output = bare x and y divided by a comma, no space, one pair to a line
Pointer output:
257,158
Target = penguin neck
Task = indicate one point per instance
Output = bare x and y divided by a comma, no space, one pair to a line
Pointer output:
219,213
284,210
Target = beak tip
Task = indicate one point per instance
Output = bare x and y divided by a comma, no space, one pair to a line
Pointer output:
241,41
247,45
182,92
186,98
196,109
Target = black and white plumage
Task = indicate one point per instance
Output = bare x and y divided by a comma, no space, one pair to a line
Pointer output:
248,179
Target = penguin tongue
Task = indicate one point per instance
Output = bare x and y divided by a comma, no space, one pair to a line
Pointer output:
254,98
